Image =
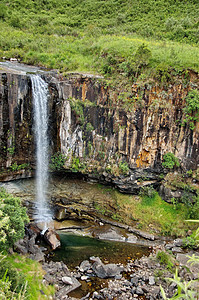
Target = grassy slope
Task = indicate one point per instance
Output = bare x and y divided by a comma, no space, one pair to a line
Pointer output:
150,214
33,274
89,35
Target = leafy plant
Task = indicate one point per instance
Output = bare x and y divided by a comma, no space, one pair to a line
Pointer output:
147,191
165,259
185,290
124,168
57,161
170,161
191,109
13,218
16,167
89,127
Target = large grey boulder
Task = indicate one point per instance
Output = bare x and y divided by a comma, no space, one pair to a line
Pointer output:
105,271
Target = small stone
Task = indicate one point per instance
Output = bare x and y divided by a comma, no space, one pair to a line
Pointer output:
176,249
67,280
151,280
134,281
84,277
84,266
118,277
139,291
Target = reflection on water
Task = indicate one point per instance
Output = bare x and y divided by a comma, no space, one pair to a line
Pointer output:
76,248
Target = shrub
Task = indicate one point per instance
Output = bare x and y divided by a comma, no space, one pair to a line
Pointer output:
13,218
165,259
89,127
147,191
124,168
57,161
170,161
192,108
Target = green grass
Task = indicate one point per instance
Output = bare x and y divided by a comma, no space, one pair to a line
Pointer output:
33,275
101,36
148,213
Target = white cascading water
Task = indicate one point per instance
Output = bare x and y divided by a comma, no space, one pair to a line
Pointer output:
40,109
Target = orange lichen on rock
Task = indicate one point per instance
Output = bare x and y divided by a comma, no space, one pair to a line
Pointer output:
143,159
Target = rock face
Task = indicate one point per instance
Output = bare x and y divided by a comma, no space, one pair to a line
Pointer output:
109,137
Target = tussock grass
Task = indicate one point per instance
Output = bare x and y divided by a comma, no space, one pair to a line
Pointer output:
33,274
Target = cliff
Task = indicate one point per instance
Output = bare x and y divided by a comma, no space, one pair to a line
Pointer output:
108,134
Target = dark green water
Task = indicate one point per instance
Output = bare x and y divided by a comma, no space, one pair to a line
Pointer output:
77,248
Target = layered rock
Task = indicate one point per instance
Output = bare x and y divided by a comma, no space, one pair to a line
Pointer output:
106,134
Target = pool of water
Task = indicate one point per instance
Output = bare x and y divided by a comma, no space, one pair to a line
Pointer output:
76,248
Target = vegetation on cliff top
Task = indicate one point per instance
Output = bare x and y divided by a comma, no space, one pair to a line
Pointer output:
108,37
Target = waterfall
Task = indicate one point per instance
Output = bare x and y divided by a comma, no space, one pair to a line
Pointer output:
40,110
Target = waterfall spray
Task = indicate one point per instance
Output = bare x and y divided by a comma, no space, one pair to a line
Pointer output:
40,108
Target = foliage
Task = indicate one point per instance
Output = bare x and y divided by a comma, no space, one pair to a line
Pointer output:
13,218
15,278
185,290
147,191
78,107
124,168
77,165
191,109
89,127
16,167
165,259
23,272
193,240
57,161
170,161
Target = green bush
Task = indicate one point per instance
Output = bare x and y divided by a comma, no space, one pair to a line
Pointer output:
124,168
170,161
192,108
12,220
89,127
147,191
165,259
57,161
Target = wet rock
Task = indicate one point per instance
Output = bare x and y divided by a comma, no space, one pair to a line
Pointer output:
155,291
178,243
67,280
177,249
67,289
52,238
151,280
131,238
139,291
84,277
84,266
134,281
183,260
111,234
20,247
106,271
141,233
60,213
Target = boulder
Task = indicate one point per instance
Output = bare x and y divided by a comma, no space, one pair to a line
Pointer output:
52,238
111,235
106,271
84,266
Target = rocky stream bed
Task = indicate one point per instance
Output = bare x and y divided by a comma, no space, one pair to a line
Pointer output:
96,279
